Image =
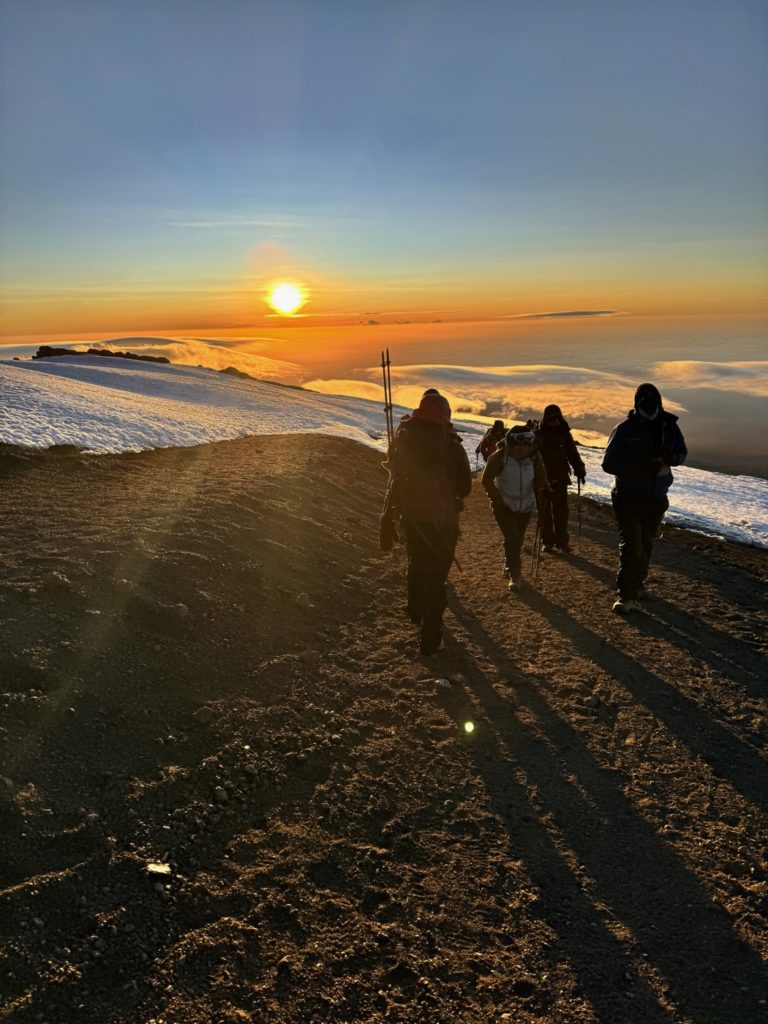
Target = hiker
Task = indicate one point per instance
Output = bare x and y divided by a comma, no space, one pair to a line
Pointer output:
641,451
388,534
430,477
561,457
514,479
491,439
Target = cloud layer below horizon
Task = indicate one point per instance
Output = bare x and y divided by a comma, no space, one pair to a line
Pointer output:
591,400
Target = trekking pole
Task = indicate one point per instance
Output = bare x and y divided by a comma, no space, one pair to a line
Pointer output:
534,551
578,508
385,373
538,553
389,392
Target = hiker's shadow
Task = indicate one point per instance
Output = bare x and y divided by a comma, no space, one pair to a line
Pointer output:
704,642
729,758
585,843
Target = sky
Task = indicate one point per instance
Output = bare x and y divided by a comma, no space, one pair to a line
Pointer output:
113,405
165,163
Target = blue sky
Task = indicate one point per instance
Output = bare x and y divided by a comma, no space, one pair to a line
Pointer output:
164,141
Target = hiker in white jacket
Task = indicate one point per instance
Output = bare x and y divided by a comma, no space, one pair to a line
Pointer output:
514,478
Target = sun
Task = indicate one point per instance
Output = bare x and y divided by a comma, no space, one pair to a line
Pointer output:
286,298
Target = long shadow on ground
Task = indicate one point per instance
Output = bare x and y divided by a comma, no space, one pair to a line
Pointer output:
723,652
730,759
637,874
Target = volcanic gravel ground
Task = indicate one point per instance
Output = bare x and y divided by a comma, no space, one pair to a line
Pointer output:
205,667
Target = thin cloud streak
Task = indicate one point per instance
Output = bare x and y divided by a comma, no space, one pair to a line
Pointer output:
565,314
277,223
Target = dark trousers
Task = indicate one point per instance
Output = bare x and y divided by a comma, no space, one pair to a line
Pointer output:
430,554
638,521
513,526
553,515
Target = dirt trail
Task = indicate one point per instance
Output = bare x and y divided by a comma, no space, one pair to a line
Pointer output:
204,662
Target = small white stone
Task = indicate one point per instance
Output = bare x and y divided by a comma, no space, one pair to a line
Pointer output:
158,867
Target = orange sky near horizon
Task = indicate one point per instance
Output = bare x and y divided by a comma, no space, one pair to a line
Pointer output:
36,313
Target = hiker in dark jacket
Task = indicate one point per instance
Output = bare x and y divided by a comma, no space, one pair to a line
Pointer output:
491,439
430,477
641,451
561,457
514,479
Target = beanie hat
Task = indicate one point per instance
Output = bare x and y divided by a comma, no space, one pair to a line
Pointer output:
434,409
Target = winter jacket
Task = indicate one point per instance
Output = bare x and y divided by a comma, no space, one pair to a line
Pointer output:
560,454
489,442
430,473
523,479
640,453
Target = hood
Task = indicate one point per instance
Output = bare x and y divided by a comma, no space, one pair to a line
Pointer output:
556,410
648,391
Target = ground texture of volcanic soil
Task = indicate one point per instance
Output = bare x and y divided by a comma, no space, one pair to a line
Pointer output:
204,663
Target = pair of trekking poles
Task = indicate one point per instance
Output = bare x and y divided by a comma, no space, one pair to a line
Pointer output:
537,538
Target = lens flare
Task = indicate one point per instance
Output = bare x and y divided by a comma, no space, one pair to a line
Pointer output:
286,298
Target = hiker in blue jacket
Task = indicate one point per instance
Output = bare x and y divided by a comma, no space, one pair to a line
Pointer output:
641,451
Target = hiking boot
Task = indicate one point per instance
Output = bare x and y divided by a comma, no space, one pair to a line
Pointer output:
644,594
431,644
624,605
514,584
565,549
548,549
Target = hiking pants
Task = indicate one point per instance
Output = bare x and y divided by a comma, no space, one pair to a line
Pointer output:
638,520
430,555
513,526
553,516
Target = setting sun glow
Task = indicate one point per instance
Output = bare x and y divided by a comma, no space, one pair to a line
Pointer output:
286,298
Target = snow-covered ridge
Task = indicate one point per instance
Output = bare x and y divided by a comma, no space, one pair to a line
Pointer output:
124,406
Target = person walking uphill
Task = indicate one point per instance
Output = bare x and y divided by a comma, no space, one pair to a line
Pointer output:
641,451
491,439
513,479
561,456
430,477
